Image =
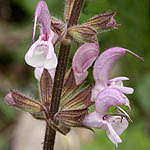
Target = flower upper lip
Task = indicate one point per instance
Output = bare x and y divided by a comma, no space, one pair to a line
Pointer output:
42,16
83,59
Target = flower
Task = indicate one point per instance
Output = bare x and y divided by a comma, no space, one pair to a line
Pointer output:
114,125
101,70
41,53
106,93
102,22
83,59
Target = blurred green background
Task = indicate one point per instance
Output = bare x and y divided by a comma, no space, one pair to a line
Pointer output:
16,25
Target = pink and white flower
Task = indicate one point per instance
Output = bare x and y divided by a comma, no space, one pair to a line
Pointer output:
101,71
41,53
114,125
102,68
106,93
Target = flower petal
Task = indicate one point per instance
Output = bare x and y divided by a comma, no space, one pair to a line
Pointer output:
51,63
43,17
93,120
107,98
116,79
123,89
119,123
50,53
83,59
54,37
104,63
113,136
37,53
80,77
32,48
41,54
127,103
96,90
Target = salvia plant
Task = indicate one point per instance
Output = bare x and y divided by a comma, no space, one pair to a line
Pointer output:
65,98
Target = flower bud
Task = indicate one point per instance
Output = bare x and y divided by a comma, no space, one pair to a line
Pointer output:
102,22
22,102
83,33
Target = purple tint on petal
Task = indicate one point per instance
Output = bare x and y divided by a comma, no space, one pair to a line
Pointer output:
118,79
84,58
113,136
53,36
50,50
43,17
123,89
92,120
9,100
96,90
107,98
104,63
80,77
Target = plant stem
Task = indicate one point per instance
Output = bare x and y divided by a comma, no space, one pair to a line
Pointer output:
63,58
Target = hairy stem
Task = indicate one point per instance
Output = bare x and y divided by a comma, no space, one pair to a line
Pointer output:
63,57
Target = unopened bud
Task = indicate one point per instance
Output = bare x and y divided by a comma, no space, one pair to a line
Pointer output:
82,33
102,22
9,100
22,102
